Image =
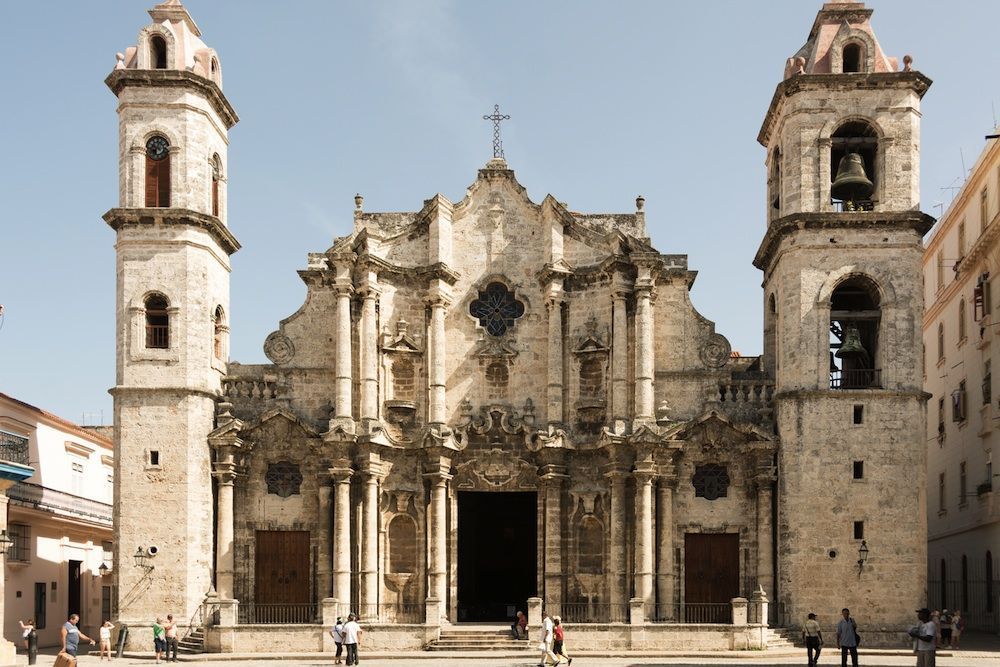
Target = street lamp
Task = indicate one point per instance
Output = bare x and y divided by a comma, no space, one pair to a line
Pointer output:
141,559
103,569
5,542
862,556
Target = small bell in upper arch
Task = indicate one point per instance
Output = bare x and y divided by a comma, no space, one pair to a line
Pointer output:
852,182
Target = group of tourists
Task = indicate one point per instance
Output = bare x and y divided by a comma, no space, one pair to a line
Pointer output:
346,636
935,629
165,639
552,644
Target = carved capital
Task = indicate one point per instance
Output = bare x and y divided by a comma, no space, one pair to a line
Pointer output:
437,469
341,472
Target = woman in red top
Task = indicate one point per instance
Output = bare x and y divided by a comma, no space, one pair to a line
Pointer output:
558,636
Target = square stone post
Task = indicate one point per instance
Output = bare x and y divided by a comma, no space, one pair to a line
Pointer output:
739,610
759,601
637,623
534,616
741,634
329,615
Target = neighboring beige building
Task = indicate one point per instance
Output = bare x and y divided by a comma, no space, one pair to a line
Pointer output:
496,403
60,522
961,263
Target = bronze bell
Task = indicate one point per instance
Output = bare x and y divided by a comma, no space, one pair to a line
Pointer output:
852,348
852,183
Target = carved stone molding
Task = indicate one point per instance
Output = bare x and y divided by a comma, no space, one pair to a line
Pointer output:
496,470
279,348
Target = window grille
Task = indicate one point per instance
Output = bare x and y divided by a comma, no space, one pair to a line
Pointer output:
20,549
710,481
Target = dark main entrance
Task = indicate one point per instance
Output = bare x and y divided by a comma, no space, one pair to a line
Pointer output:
497,555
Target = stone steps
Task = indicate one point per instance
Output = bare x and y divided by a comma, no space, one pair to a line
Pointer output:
192,644
475,639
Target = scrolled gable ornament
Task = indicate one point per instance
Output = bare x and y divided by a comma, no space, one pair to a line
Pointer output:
279,348
715,351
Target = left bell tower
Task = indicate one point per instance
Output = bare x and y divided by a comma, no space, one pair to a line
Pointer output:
173,251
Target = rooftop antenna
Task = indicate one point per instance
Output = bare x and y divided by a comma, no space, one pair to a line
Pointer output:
939,205
965,172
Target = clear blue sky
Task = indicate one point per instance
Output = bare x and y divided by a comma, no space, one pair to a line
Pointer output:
609,100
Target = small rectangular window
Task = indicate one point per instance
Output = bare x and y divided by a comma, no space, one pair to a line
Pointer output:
859,470
859,530
154,457
859,414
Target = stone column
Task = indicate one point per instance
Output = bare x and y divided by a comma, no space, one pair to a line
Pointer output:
665,565
225,476
342,411
644,409
369,541
643,574
618,594
554,305
437,473
765,533
552,480
368,350
619,355
341,476
436,398
324,569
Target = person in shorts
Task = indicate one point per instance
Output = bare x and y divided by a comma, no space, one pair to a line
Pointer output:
957,627
105,635
159,639
337,632
71,636
558,639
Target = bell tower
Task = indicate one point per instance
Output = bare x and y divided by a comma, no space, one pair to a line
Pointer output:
173,250
842,331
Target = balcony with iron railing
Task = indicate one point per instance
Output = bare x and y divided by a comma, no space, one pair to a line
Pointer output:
158,336
39,497
856,378
13,448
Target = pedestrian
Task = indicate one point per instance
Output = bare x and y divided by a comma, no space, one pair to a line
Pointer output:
936,617
337,632
520,623
26,630
558,637
545,645
946,620
170,629
957,628
105,635
352,637
813,637
924,638
847,638
159,639
71,636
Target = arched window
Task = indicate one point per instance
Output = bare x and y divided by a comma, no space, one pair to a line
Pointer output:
775,183
590,549
961,321
157,172
496,309
157,322
214,68
219,335
852,57
855,314
853,149
402,545
940,341
157,52
216,176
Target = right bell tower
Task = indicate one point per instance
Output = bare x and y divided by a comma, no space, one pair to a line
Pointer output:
842,328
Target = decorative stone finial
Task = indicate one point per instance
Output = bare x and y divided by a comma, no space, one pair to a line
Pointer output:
800,66
359,201
907,63
401,327
640,203
119,61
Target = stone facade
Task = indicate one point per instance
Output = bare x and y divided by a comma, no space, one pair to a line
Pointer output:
551,358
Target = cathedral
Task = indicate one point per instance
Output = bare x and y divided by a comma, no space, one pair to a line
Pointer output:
497,404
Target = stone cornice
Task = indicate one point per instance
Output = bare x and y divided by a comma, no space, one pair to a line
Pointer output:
916,81
780,228
851,394
158,78
119,217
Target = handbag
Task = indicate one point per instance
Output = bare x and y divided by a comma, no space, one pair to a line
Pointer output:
857,637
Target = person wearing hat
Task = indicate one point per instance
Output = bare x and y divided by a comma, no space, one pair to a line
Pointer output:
813,638
337,632
946,628
924,638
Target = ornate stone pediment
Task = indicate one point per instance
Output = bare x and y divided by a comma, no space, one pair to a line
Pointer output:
496,423
714,432
402,342
496,469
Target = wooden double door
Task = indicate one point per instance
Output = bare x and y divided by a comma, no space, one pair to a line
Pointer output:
711,576
281,570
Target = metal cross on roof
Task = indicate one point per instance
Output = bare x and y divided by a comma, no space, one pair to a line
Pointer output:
496,117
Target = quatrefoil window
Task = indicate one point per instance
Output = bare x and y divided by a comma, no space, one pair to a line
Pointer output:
283,479
496,309
710,481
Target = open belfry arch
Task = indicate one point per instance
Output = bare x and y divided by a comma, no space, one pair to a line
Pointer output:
495,404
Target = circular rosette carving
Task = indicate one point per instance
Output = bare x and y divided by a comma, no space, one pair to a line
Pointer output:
715,352
279,348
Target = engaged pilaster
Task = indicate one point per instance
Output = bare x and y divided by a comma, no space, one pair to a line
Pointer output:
552,478
368,348
343,416
554,305
665,583
373,473
341,475
437,472
616,551
439,299
643,573
764,482
644,353
226,445
619,353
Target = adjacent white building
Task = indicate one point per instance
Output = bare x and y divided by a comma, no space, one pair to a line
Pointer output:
961,347
60,522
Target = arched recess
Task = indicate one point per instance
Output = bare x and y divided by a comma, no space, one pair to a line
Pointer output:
157,172
402,533
857,38
859,137
855,333
590,545
220,334
216,168
771,334
145,52
156,308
